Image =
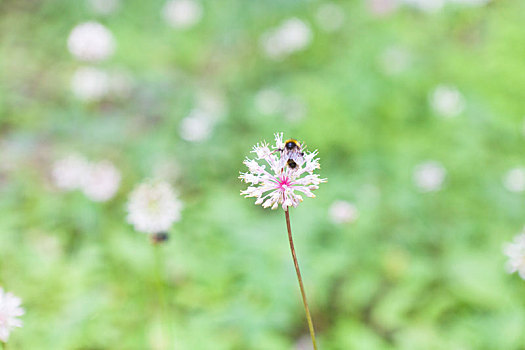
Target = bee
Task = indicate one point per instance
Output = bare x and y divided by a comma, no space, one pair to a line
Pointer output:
292,151
291,163
292,145
292,148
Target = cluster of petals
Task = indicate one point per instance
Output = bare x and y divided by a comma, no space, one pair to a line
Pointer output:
274,183
10,310
153,207
91,42
515,251
99,181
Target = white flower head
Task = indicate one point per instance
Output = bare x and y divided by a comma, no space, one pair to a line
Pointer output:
90,84
515,251
104,7
182,14
10,309
270,101
91,42
291,36
153,207
303,343
330,17
101,181
429,176
428,6
447,101
514,180
470,2
382,7
394,60
342,212
69,173
281,182
213,103
197,126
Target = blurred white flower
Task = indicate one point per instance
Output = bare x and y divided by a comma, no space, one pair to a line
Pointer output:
342,212
382,7
515,251
429,176
196,127
279,186
514,180
394,60
68,173
101,181
182,14
10,309
304,343
90,84
104,7
291,36
330,17
91,42
153,207
470,2
268,101
212,103
294,109
428,6
447,101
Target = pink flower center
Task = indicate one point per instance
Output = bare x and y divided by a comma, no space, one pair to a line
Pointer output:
284,181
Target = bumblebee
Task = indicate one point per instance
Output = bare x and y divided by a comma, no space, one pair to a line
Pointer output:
292,151
291,163
292,145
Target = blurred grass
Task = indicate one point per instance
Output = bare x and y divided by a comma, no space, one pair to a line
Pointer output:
415,271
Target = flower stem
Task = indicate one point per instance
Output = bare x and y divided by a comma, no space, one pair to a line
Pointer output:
299,278
163,306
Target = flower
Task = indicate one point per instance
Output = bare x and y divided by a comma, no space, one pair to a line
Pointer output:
291,36
153,207
330,17
91,42
104,7
394,60
382,7
429,6
90,84
101,181
280,184
447,101
182,14
514,180
515,251
9,311
342,212
429,176
197,126
68,173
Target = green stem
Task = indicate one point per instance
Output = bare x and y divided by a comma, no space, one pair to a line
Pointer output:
159,284
299,278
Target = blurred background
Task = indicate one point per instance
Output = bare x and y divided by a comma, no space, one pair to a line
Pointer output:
416,108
